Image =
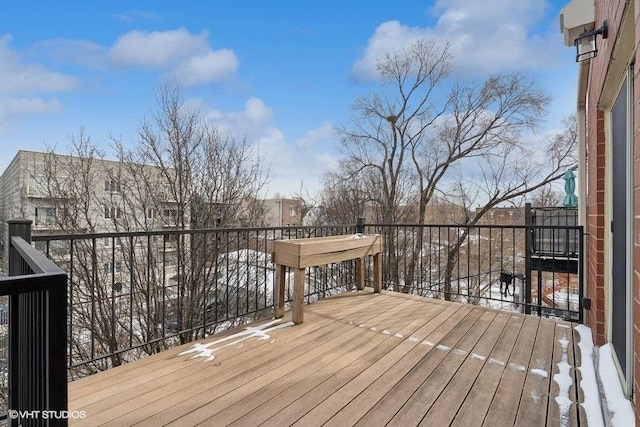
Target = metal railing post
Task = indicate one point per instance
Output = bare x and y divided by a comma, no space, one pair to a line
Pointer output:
528,244
17,228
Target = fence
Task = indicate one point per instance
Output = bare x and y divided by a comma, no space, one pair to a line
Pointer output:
37,318
137,293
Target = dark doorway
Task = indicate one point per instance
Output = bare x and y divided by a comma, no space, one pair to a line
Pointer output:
620,140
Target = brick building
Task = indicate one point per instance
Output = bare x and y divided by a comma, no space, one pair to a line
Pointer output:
608,116
282,212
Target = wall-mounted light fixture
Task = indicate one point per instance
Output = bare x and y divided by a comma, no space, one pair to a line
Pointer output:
586,44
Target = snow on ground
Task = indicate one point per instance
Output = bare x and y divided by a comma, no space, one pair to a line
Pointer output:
618,408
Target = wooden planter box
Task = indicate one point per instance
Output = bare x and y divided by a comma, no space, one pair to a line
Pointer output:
302,253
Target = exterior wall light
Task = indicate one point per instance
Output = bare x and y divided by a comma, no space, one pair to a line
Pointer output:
586,45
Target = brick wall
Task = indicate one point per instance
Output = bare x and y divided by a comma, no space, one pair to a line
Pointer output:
636,214
597,197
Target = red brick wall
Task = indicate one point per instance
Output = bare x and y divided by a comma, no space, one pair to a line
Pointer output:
594,239
636,214
597,230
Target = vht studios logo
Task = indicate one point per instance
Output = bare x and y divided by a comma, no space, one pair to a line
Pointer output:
45,415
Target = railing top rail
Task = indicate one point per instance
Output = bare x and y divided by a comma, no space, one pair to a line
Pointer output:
494,226
14,285
173,231
555,208
36,260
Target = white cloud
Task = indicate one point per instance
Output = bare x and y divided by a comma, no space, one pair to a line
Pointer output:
290,162
186,57
250,122
389,36
15,108
209,67
21,78
505,35
313,137
157,48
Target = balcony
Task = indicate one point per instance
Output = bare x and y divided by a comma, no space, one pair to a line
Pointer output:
358,358
452,325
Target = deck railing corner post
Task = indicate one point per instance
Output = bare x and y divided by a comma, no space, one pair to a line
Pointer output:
19,227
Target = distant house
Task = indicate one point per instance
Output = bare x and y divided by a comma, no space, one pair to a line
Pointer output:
282,212
604,36
503,216
315,216
440,211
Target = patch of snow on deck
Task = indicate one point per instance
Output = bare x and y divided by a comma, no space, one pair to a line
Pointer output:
260,332
619,408
540,372
589,382
563,379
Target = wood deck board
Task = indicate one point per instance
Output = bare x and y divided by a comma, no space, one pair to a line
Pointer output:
402,354
214,383
454,377
308,399
310,368
251,415
395,399
359,358
535,393
504,406
356,407
482,391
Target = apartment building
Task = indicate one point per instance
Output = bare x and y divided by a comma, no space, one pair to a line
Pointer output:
62,193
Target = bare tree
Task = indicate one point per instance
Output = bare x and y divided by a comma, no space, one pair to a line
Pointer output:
344,200
183,174
66,201
423,128
199,179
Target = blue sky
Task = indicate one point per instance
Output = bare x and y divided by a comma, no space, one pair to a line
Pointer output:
281,73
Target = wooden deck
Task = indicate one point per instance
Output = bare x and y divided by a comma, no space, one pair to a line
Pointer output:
358,359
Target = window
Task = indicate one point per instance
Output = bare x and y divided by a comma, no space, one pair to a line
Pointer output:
151,213
293,210
112,186
171,215
106,267
111,212
45,216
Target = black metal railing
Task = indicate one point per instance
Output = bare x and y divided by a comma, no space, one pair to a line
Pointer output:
488,265
36,392
137,293
555,232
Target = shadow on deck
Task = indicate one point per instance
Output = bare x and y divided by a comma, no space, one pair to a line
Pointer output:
358,358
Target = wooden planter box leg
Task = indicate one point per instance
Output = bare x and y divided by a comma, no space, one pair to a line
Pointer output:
281,271
360,273
298,295
377,272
